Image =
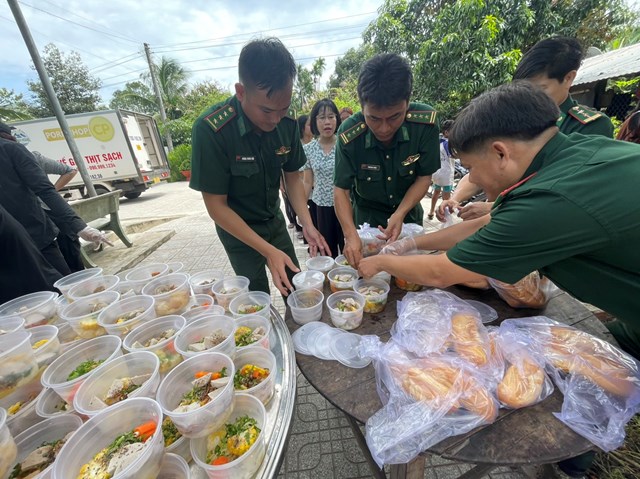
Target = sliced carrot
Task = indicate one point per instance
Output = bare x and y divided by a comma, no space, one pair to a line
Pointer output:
199,374
219,461
146,430
216,376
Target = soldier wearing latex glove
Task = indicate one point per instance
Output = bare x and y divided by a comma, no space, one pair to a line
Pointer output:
94,236
401,247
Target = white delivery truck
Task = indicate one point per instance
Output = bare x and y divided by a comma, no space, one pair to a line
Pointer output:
122,150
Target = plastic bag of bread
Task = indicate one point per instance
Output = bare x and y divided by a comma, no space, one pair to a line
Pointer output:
430,399
600,383
525,381
532,291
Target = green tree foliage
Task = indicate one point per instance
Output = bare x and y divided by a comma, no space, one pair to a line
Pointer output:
76,89
302,90
172,81
12,106
179,160
135,96
348,66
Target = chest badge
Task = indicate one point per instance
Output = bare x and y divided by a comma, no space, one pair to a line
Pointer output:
368,167
283,150
411,159
245,159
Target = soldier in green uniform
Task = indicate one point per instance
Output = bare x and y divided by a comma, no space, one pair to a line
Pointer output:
556,210
240,149
385,155
552,64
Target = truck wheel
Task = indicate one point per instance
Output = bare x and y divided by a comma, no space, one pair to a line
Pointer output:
133,195
101,190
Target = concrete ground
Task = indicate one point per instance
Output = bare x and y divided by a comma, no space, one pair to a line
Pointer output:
169,223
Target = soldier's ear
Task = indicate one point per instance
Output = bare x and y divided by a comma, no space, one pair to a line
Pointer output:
569,77
500,149
240,91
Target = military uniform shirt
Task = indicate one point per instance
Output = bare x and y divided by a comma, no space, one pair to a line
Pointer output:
575,219
576,118
380,176
230,158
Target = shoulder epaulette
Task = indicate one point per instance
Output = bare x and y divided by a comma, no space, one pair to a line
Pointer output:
427,117
353,132
220,117
583,114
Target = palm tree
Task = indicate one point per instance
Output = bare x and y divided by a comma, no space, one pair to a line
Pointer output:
172,81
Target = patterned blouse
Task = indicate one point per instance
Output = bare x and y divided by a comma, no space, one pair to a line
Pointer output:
322,166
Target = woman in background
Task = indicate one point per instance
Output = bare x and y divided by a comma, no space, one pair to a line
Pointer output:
321,158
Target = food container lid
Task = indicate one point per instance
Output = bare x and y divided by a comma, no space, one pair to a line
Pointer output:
487,313
346,349
319,343
301,336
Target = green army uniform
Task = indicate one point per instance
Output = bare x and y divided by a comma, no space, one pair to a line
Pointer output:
380,176
576,118
230,158
564,218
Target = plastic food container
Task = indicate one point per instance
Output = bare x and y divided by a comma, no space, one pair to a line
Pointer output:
251,302
45,344
50,404
104,348
25,398
11,324
176,295
165,349
148,272
174,267
247,464
180,448
197,312
67,336
309,280
262,358
88,399
60,302
383,276
253,322
208,418
341,260
202,282
324,264
92,287
342,279
128,289
174,467
228,288
202,327
8,449
35,308
82,315
102,429
200,300
374,302
69,281
116,318
406,285
346,319
306,305
49,430
18,364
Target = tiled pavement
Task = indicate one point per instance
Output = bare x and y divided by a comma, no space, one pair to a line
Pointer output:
322,444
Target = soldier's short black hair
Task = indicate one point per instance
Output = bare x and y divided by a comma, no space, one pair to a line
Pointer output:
266,64
517,110
320,107
385,80
446,125
302,122
554,57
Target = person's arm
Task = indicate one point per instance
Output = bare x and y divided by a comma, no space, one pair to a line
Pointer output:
231,222
463,192
307,179
411,198
344,212
65,179
53,167
298,199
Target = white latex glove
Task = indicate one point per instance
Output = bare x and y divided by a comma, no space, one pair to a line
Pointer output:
94,236
401,247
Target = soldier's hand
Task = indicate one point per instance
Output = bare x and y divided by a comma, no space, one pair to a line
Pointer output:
353,250
317,243
278,262
370,266
402,247
475,210
393,229
451,204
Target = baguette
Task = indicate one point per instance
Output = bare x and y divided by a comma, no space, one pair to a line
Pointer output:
521,386
467,341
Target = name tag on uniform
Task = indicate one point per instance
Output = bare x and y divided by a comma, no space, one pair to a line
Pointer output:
411,159
245,159
367,167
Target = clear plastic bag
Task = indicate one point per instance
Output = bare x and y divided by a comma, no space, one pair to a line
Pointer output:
428,400
532,291
411,230
371,244
600,383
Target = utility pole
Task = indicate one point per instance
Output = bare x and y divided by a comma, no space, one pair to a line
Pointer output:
51,95
156,88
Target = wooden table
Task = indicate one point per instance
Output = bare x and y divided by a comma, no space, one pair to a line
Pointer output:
518,437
